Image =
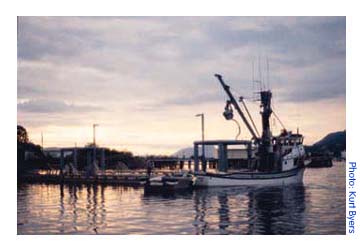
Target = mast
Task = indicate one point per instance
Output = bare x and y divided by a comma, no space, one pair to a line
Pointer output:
266,153
265,115
236,106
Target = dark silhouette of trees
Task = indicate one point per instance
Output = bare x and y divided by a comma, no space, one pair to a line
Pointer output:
29,155
89,145
22,135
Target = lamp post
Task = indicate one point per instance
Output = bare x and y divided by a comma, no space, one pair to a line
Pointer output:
94,141
42,141
94,138
202,138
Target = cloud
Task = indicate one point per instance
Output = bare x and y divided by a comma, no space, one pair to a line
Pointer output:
47,106
162,53
155,68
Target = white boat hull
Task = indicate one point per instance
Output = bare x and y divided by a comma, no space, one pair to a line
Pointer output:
245,179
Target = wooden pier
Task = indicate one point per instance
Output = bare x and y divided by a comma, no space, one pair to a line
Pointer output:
130,178
125,179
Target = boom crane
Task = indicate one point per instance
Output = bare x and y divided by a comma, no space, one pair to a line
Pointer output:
233,102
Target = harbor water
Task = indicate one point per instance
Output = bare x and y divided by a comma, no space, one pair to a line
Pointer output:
316,207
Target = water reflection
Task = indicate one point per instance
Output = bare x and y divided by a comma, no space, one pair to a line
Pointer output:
317,208
224,218
271,210
200,223
61,209
278,211
73,203
246,210
69,208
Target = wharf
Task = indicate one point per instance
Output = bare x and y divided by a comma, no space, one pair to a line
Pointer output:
136,179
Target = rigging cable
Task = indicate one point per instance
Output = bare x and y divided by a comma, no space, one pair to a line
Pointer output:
249,115
279,120
239,132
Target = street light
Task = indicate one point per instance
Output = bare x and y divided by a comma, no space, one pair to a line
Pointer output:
94,142
42,141
94,139
203,136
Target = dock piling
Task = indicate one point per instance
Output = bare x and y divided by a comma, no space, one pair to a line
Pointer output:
196,157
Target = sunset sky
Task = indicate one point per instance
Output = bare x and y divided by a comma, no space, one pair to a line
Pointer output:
143,79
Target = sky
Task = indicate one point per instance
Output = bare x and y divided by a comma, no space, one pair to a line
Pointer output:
143,79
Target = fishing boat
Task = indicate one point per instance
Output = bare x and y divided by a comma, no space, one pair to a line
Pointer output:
271,160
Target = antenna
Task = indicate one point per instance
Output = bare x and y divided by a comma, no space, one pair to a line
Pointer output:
17,29
253,80
267,69
259,68
297,117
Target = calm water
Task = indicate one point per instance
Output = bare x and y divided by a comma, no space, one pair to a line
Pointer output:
316,207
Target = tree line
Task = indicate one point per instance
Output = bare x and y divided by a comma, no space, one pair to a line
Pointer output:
31,156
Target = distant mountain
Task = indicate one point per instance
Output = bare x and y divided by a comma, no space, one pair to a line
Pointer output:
334,142
188,152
